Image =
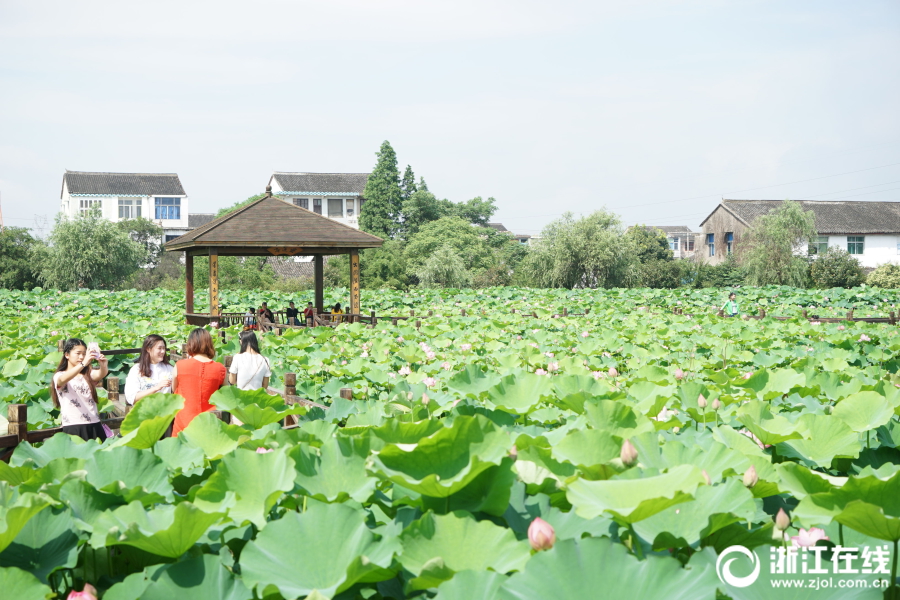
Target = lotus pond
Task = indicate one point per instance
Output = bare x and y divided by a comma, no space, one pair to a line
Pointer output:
650,443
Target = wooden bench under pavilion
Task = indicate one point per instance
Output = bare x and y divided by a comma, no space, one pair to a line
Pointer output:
270,227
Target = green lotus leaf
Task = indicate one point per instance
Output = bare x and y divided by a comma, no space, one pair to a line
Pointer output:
87,503
825,437
255,408
587,568
535,462
617,418
872,520
863,411
14,367
457,542
472,380
713,508
487,493
519,392
247,485
179,455
22,585
634,499
801,482
467,585
202,577
47,542
345,552
58,446
587,447
333,472
213,435
16,509
130,473
148,420
769,428
448,460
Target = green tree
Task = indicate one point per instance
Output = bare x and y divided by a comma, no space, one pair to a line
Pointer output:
444,269
476,210
380,215
651,244
422,185
90,252
17,271
146,233
408,184
236,272
422,208
383,267
773,240
469,243
835,268
588,252
886,276
240,204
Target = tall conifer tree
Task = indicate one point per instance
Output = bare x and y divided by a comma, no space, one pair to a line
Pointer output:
380,214
408,185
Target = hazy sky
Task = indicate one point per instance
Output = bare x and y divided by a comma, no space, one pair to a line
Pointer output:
653,109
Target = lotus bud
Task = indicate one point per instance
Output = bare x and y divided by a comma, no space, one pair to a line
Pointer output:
612,372
541,535
89,593
716,405
701,401
782,520
750,477
425,399
679,374
513,452
628,454
706,477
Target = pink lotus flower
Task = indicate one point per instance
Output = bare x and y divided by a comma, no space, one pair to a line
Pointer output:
701,401
465,347
750,477
404,370
343,362
862,338
430,355
808,538
425,399
365,354
607,355
815,322
554,366
446,366
612,372
518,337
664,415
541,535
841,328
262,450
400,339
392,375
598,374
89,593
584,334
716,405
540,372
628,454
430,381
748,374
52,333
548,354
533,345
679,374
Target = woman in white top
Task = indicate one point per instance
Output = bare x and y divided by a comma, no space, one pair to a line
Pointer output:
74,389
152,374
249,370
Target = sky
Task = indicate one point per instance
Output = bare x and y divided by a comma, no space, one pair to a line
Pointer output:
652,109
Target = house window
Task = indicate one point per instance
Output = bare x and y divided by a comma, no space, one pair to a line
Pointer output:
169,238
689,245
335,208
86,205
302,203
711,242
729,242
168,208
317,206
818,245
129,208
351,204
856,244
674,243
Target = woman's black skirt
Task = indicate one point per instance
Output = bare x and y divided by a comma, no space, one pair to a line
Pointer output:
86,431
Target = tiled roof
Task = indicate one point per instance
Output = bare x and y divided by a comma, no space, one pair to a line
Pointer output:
497,226
123,184
669,229
286,267
270,221
322,183
833,217
199,219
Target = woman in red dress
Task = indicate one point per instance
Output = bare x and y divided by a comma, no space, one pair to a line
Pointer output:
196,378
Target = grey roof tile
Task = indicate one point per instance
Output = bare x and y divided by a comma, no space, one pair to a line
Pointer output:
833,217
199,219
132,184
322,183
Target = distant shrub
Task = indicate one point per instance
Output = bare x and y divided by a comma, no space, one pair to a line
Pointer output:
835,268
885,276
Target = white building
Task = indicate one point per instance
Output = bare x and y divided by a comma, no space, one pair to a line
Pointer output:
870,231
338,196
680,237
158,197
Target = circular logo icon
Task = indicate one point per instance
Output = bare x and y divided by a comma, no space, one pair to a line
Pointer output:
723,567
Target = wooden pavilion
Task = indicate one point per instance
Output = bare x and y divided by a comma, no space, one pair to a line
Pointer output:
270,227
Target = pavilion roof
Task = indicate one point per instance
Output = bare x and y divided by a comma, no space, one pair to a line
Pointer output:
272,226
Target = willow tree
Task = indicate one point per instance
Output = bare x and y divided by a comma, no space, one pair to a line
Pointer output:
777,246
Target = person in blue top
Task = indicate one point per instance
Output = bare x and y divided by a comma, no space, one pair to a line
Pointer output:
730,308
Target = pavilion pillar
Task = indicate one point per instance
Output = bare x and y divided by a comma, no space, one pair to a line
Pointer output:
213,281
354,281
319,282
188,282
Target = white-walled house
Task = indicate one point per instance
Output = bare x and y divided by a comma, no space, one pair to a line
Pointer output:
159,197
338,196
870,231
680,237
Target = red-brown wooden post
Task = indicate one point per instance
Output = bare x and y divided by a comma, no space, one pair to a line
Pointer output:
412,313
418,323
803,312
394,321
462,312
513,311
18,421
346,393
374,318
290,384
850,315
762,313
60,345
112,389
893,317
430,313
565,312
188,282
227,362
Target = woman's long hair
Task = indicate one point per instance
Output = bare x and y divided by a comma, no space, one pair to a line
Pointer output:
144,361
249,340
200,342
70,345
